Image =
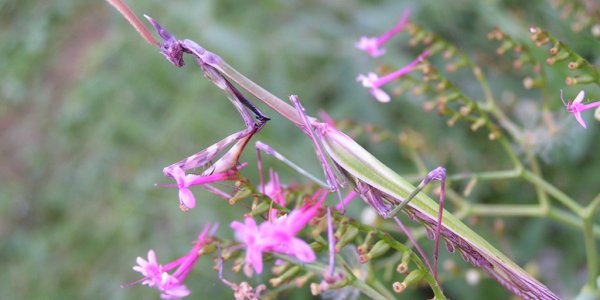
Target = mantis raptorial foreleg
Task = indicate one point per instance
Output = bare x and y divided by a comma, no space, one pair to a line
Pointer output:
223,169
173,51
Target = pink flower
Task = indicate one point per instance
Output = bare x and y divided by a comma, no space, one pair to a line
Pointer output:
273,189
577,107
150,269
374,82
185,181
372,45
250,235
172,288
171,285
277,236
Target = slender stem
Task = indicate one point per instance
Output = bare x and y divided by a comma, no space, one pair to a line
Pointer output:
590,210
319,268
367,289
552,190
590,249
535,167
503,174
331,242
492,103
555,214
378,285
590,242
435,287
507,210
569,219
122,7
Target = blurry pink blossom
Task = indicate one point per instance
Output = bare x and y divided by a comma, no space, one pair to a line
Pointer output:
171,285
372,45
577,107
374,82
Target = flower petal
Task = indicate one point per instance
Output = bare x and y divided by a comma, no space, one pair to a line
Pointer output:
186,198
380,95
370,45
579,97
579,118
254,257
179,176
301,250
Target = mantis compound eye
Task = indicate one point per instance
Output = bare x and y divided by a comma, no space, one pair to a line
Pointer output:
173,52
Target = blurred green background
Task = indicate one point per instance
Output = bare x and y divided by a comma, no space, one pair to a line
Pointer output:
90,114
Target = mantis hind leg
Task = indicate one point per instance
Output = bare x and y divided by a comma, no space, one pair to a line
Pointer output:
438,174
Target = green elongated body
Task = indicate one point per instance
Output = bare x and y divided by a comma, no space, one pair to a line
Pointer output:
363,166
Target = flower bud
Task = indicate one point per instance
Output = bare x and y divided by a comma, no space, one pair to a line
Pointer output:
285,277
346,238
379,249
368,243
241,194
413,278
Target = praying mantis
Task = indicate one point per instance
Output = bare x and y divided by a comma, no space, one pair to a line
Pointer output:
376,183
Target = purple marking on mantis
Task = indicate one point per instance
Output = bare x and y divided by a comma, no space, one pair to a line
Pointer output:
372,45
577,107
171,286
202,158
374,82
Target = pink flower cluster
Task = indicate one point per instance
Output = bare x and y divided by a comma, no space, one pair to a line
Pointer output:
171,286
278,235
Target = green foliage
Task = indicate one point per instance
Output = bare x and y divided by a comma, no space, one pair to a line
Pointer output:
90,114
